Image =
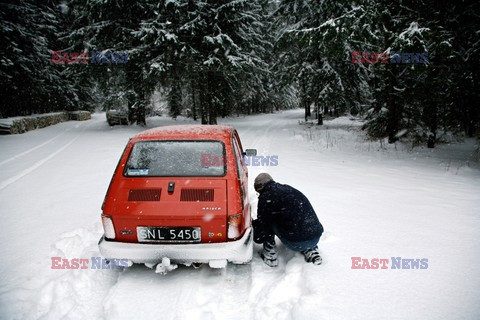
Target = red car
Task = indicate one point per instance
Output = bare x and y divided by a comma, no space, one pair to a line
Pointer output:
179,192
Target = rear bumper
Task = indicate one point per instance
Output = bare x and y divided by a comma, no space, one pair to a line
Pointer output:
239,251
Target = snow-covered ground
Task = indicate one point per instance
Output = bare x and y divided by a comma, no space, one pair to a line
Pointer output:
375,201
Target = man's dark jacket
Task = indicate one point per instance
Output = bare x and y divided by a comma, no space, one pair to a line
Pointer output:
289,210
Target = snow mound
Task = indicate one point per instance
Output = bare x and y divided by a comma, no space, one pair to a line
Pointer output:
75,293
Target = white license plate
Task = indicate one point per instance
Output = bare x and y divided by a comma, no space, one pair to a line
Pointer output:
169,234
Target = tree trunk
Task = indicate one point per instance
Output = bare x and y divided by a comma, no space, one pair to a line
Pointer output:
212,107
393,112
136,102
203,97
203,109
194,103
204,115
318,114
305,102
306,113
140,114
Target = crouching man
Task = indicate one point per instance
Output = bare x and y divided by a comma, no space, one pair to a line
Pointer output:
285,212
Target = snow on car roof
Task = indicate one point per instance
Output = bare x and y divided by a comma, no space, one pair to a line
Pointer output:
186,132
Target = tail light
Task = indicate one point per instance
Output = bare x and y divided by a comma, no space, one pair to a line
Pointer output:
108,227
234,225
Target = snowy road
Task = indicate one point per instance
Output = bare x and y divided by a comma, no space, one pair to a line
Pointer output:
375,201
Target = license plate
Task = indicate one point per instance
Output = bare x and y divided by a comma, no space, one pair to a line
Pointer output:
168,234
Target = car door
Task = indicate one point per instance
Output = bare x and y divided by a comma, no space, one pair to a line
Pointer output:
242,173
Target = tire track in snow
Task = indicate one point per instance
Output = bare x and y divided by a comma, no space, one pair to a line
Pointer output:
32,149
170,295
263,140
279,291
15,178
36,165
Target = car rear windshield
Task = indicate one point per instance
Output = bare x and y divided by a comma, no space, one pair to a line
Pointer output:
176,159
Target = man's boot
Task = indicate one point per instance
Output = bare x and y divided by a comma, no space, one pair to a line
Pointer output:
312,255
269,253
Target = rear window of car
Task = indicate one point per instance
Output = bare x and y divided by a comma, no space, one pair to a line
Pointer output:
176,159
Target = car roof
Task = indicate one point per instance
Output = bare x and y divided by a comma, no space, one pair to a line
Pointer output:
186,132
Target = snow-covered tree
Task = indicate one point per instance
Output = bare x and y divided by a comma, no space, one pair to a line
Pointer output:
29,81
211,49
415,98
317,40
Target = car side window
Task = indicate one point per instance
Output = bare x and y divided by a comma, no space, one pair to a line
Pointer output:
238,156
241,170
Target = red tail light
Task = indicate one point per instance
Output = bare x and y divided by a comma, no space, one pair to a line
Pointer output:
108,227
234,226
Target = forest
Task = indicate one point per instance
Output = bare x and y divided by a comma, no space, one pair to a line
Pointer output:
410,69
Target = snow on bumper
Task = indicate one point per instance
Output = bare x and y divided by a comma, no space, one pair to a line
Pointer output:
239,251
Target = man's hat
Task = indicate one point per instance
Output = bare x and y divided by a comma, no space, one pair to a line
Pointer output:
261,180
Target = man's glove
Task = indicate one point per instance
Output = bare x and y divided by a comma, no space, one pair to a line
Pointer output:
260,235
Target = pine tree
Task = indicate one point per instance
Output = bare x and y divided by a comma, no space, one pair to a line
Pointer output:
29,81
415,98
320,39
211,49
